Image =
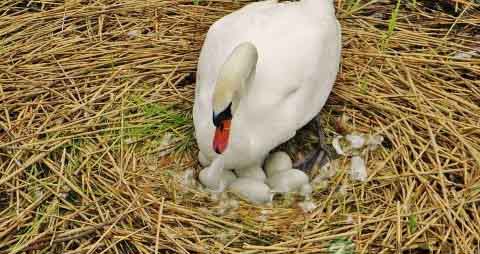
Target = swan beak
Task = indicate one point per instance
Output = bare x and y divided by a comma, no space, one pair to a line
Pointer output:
222,133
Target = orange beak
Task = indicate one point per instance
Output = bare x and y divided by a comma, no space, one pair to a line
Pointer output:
222,134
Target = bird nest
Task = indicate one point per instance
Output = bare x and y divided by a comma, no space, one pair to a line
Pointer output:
96,133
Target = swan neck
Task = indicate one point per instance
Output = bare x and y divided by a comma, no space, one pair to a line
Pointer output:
234,76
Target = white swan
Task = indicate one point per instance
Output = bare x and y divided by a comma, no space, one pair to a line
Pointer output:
264,72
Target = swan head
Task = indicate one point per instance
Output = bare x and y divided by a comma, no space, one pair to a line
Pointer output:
231,85
222,122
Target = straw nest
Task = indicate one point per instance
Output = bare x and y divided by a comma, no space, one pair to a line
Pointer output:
96,132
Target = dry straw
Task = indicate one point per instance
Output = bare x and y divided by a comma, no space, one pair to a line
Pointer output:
95,130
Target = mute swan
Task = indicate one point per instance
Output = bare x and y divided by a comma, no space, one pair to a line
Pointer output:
264,72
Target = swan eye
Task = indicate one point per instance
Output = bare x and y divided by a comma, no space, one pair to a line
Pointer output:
222,116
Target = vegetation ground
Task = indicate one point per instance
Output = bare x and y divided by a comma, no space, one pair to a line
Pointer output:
96,132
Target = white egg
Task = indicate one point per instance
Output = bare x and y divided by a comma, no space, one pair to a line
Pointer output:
251,189
215,178
287,181
277,162
254,172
